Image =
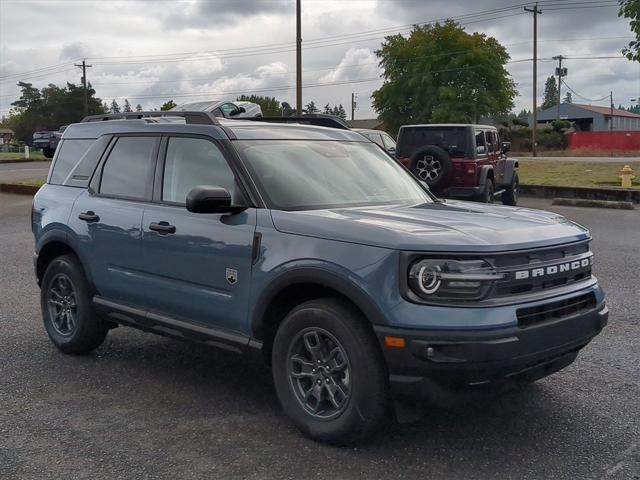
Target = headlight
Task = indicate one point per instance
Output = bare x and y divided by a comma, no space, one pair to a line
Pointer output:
442,280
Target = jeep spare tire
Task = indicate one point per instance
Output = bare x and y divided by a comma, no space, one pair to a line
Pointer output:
432,165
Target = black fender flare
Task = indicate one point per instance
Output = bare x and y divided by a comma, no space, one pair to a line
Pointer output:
319,276
484,174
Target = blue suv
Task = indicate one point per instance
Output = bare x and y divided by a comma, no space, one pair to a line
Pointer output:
313,248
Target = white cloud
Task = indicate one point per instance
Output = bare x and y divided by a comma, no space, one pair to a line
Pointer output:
357,63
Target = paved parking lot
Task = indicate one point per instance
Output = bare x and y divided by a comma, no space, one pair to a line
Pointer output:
148,407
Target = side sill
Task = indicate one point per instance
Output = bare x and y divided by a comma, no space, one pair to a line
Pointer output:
172,327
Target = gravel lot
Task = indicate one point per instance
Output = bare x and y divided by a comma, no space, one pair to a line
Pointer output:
147,407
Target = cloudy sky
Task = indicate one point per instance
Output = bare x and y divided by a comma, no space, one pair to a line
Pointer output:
155,50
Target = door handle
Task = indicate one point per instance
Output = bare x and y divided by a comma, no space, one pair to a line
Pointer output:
162,227
89,217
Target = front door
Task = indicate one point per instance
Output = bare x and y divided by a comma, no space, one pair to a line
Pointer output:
197,267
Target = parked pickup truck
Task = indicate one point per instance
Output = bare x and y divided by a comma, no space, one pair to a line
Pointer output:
359,290
47,141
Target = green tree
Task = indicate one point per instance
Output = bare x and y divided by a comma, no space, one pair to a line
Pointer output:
440,73
310,108
166,106
127,106
550,97
568,98
115,108
49,108
631,9
269,105
327,110
138,108
340,112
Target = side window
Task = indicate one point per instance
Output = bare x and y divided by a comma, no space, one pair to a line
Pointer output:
375,138
129,168
481,144
228,109
389,143
498,142
217,113
490,141
70,153
191,162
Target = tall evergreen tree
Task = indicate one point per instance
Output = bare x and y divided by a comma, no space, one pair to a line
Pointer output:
166,106
115,108
127,106
550,97
138,108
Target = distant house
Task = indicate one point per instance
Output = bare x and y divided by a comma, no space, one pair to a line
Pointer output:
6,135
591,118
368,123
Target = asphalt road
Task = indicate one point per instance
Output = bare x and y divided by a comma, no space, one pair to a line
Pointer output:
23,170
147,407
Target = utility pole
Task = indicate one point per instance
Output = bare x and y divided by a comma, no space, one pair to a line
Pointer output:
84,67
353,105
298,59
560,72
535,12
611,118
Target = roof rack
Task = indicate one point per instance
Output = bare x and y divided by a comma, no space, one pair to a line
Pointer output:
318,120
197,118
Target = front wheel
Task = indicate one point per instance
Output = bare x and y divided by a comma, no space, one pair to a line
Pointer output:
510,195
48,152
329,373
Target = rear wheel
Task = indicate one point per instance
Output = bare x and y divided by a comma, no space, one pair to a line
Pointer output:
510,195
48,152
487,195
67,308
329,373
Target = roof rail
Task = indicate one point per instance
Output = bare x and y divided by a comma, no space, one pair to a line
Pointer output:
319,120
198,118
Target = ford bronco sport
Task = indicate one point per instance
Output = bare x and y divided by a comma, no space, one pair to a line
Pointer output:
466,161
358,290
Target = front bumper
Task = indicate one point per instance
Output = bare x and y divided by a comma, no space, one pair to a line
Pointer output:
439,365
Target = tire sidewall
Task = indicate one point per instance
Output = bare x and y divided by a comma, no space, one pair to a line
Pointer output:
487,196
84,310
445,161
510,196
359,408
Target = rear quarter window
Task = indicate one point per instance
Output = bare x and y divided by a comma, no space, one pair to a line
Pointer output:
69,155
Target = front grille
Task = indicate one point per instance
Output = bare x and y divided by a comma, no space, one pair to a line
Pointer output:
556,310
539,270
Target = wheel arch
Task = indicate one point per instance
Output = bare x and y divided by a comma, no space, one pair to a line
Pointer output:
510,169
298,286
53,245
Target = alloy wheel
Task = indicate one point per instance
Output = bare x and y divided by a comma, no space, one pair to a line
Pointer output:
428,168
319,372
62,304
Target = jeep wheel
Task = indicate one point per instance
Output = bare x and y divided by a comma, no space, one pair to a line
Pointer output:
329,373
487,195
67,309
510,195
48,152
432,165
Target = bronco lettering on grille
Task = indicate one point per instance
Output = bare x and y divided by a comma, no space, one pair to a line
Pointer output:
553,269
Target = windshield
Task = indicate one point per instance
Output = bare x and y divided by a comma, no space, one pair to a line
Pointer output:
38,135
451,139
313,174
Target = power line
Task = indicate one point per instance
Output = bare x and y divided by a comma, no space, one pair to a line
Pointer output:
582,97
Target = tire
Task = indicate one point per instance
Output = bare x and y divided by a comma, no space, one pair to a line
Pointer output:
510,195
432,165
48,152
77,330
487,195
361,404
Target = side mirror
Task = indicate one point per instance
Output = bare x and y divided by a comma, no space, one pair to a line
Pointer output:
506,146
481,150
209,199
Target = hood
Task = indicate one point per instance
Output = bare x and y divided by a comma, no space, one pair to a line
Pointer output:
446,226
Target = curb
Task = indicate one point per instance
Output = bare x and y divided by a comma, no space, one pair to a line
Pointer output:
19,189
583,193
580,202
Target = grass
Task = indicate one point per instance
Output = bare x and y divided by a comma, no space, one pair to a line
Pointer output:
36,182
574,174
37,155
581,152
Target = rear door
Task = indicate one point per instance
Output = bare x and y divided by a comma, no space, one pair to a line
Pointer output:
107,217
495,157
197,267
